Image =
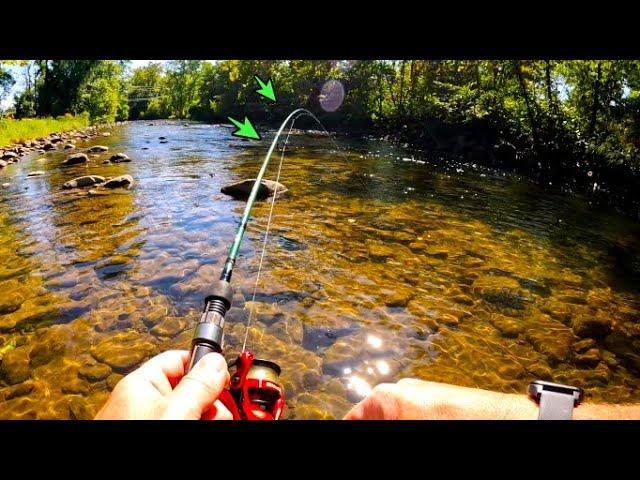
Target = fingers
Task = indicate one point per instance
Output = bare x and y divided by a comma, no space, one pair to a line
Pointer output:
199,389
164,371
380,404
218,412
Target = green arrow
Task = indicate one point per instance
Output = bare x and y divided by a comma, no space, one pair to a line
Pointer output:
266,90
245,129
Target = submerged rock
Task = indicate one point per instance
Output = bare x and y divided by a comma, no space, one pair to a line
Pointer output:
37,173
241,190
94,373
124,351
97,149
508,327
75,159
592,326
123,181
84,181
555,346
168,327
15,366
69,146
49,345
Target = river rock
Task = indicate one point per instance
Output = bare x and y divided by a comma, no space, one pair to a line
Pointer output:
555,346
124,351
583,345
168,327
94,373
8,156
501,291
15,366
3,164
267,313
123,181
592,326
380,252
36,173
19,390
6,185
119,157
84,181
589,359
241,190
75,159
624,347
69,146
507,326
97,149
540,370
50,344
48,146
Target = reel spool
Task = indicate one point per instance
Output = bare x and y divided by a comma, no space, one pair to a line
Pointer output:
255,392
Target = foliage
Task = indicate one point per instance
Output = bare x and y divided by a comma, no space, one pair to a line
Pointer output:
545,109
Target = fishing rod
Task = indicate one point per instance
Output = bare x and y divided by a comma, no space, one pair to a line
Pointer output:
254,392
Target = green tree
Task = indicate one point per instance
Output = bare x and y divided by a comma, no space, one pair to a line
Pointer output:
103,94
145,86
183,79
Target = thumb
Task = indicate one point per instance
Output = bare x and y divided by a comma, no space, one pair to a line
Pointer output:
198,389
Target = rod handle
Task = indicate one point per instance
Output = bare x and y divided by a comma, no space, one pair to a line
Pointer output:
198,351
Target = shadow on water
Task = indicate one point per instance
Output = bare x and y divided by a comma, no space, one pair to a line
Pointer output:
505,203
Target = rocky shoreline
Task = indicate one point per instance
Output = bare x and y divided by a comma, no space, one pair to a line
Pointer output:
67,140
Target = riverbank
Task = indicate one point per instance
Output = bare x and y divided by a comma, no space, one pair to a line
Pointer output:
57,140
16,132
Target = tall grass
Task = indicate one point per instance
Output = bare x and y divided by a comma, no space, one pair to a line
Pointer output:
15,131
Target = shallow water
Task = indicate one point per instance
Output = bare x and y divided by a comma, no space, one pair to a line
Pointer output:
377,268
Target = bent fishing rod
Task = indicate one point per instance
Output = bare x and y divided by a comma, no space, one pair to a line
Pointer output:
254,392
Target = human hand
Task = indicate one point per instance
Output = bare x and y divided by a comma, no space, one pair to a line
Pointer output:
160,390
411,399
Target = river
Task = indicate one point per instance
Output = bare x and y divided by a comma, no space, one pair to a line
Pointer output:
382,263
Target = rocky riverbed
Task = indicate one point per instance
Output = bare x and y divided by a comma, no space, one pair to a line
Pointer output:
381,264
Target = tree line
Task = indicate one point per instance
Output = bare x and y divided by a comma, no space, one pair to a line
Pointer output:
541,108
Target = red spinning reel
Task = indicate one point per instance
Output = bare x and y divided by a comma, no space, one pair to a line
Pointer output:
254,392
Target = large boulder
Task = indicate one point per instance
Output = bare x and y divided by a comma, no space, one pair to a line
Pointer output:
85,181
241,190
75,159
97,149
123,181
